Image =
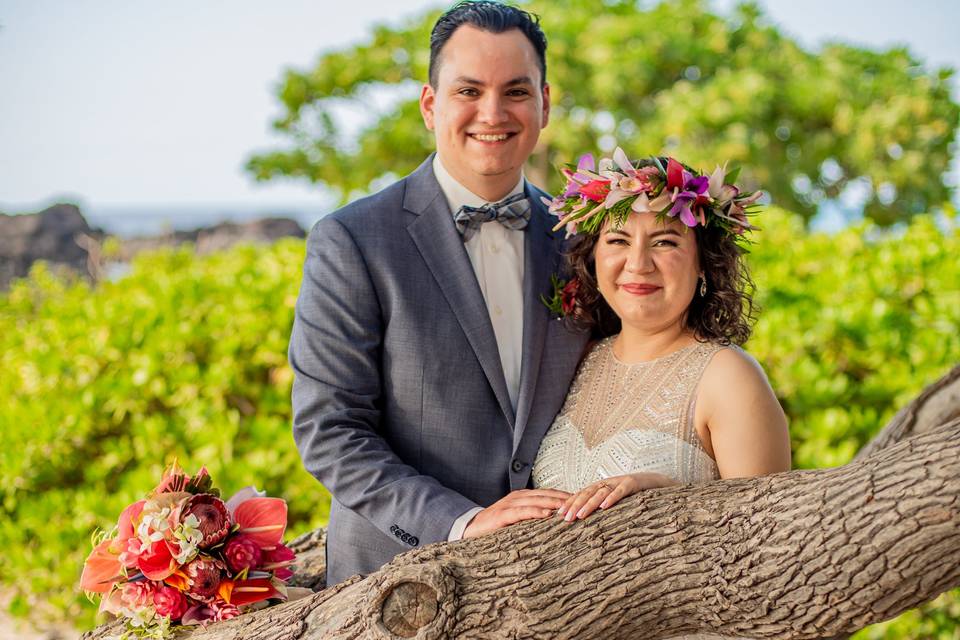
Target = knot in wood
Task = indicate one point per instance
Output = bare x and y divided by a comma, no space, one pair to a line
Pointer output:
408,607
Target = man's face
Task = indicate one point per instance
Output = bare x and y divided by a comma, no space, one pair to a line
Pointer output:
487,109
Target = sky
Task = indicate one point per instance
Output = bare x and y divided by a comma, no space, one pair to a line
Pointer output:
128,102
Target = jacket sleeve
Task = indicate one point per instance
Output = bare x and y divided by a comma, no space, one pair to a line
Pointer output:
335,353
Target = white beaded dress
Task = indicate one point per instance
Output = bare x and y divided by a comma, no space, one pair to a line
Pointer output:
625,418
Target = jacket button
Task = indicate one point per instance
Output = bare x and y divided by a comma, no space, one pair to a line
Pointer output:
517,465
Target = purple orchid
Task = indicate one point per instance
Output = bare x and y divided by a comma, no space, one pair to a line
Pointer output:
687,190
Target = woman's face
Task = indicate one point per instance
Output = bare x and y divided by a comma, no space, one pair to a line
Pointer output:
647,271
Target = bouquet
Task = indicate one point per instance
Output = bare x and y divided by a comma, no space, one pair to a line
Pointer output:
185,556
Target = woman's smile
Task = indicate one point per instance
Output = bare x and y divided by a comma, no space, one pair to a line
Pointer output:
640,289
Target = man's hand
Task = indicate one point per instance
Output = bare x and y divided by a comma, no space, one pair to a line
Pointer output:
516,506
606,493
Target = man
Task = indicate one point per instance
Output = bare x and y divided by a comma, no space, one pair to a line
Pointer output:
427,369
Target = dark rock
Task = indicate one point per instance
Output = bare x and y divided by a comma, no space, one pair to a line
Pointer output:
217,238
50,235
60,235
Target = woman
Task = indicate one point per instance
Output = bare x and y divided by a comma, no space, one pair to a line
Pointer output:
666,397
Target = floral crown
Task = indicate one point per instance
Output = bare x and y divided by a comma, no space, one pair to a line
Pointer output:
618,187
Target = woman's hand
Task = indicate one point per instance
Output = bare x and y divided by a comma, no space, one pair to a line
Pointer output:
608,492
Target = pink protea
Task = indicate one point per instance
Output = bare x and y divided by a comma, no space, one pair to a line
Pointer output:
168,601
224,611
203,614
137,595
212,514
204,574
241,552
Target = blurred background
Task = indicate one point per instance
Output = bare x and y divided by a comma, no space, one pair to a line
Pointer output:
145,303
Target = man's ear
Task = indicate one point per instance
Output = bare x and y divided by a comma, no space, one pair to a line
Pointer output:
545,94
428,98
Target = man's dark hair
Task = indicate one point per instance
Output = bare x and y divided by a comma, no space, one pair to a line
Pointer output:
494,17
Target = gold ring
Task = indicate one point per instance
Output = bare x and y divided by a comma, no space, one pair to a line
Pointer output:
606,486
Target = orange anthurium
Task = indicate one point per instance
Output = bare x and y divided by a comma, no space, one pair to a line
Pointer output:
249,591
263,520
225,590
101,569
178,580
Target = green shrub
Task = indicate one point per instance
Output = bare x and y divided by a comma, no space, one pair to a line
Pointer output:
186,357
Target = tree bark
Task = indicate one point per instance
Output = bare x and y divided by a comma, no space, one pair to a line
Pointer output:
802,554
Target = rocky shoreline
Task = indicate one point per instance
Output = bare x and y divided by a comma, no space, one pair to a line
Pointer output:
61,236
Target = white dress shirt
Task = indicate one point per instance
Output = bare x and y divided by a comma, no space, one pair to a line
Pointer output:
496,254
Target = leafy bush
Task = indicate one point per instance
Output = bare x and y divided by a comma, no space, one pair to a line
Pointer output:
102,387
186,357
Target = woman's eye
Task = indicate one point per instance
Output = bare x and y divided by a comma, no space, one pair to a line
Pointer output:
664,243
616,241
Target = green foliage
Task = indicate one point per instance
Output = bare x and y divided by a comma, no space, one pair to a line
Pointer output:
853,325
102,387
674,78
186,357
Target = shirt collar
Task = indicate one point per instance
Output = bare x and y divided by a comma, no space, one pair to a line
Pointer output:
458,195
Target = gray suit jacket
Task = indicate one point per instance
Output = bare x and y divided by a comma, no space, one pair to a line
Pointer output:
400,407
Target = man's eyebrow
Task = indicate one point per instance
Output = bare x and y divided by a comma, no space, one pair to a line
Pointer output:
519,80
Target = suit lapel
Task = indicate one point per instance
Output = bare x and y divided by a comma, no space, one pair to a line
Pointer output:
541,259
436,238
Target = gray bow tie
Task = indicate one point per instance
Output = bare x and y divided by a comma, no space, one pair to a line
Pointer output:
512,212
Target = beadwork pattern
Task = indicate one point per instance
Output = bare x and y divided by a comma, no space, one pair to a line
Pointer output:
625,418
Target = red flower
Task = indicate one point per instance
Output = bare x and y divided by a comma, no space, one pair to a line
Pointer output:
214,519
242,553
205,575
278,561
156,561
674,175
596,190
568,297
168,601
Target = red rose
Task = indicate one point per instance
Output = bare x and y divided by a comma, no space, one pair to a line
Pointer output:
242,553
168,601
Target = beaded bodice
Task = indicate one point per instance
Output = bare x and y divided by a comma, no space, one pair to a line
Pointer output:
624,418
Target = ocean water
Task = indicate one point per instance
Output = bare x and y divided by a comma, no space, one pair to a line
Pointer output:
135,221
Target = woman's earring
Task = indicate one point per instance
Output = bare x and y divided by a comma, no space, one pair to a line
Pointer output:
703,286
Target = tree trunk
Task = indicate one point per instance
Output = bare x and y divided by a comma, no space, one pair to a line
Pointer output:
802,554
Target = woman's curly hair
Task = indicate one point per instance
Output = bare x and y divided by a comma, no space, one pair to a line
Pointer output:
724,315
